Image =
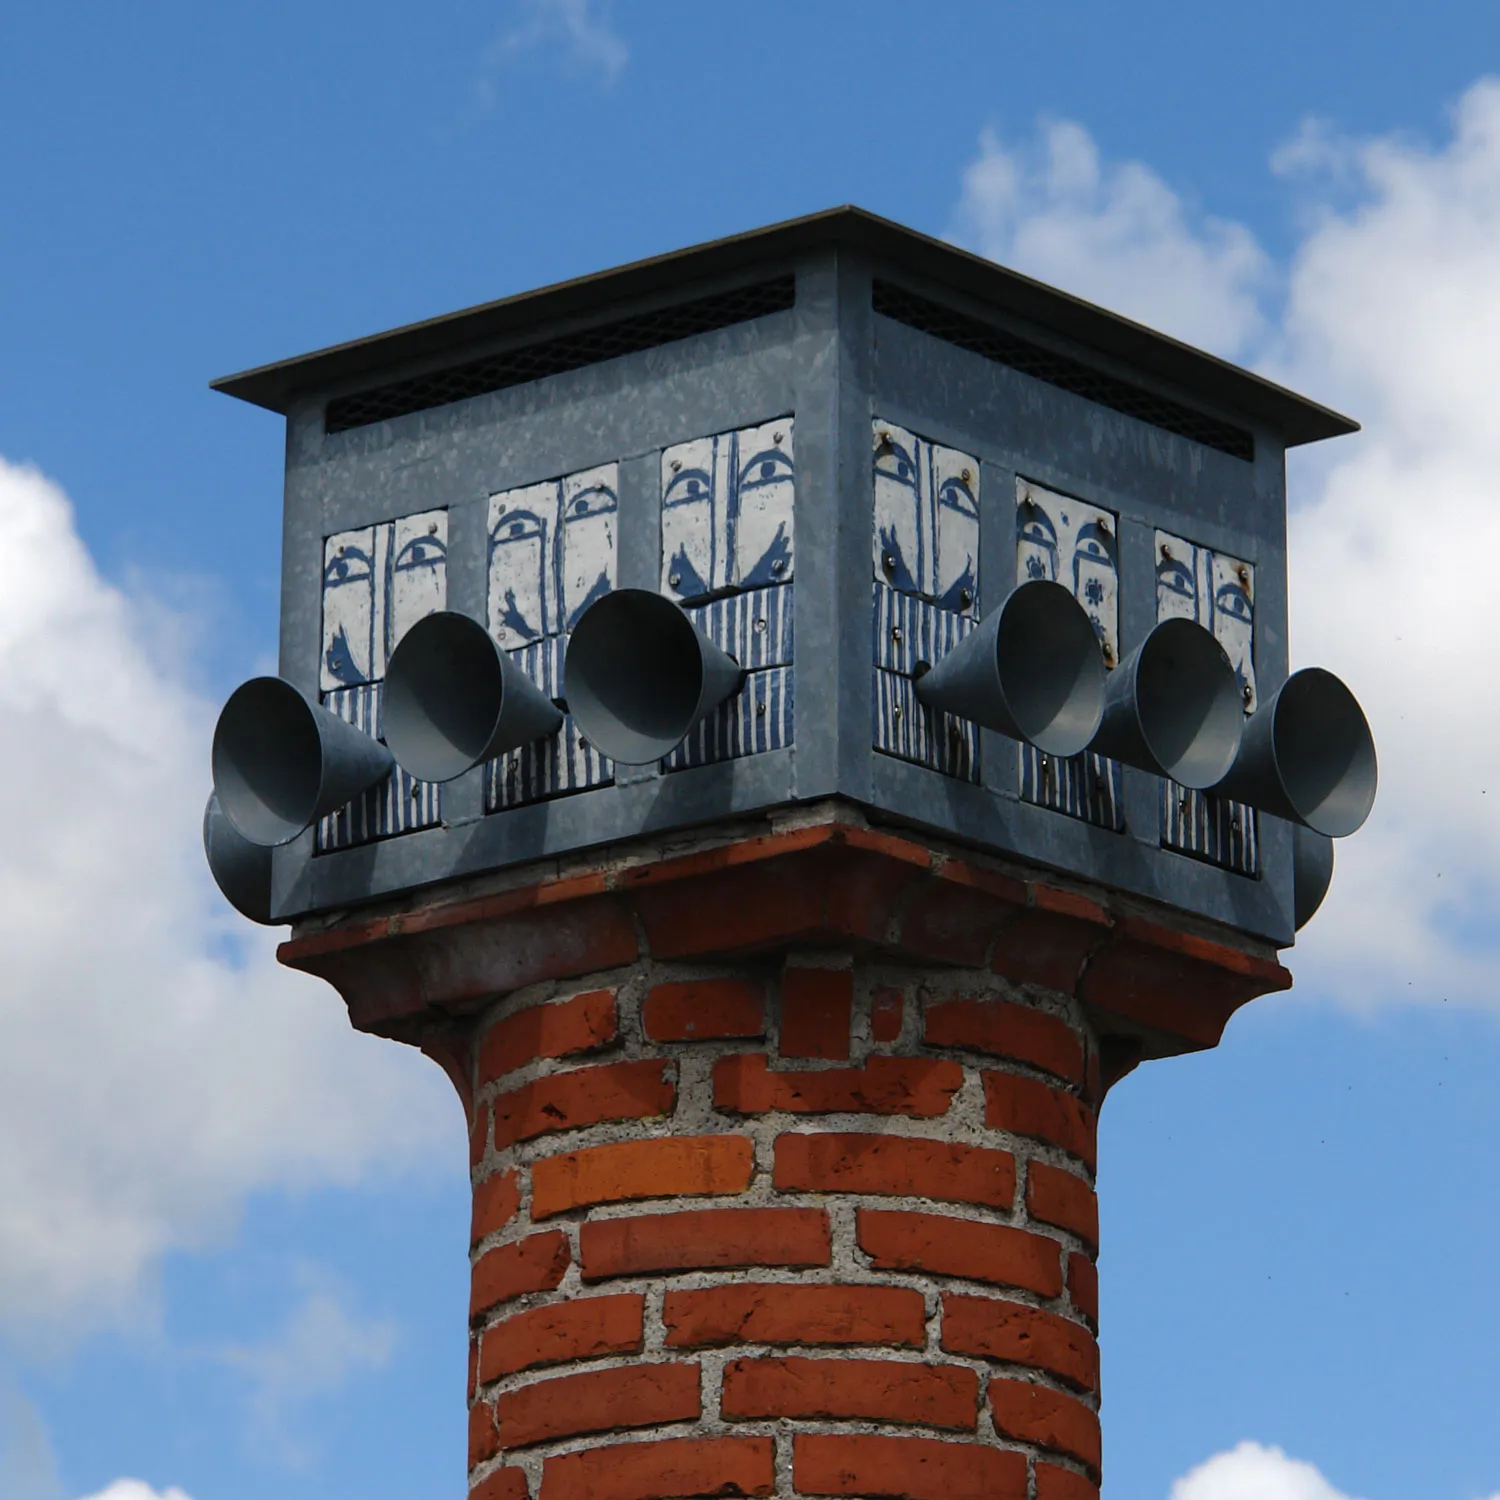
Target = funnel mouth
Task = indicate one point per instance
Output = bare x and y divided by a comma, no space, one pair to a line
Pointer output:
637,676
241,869
1050,667
1189,704
267,761
1324,753
444,694
1312,872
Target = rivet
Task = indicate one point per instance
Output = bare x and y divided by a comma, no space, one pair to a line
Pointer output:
965,598
883,439
1182,804
760,627
760,710
887,562
895,632
1249,692
676,465
500,510
500,632
1244,574
1166,551
341,551
432,528
1109,654
965,476
779,566
777,437
895,710
674,579
416,792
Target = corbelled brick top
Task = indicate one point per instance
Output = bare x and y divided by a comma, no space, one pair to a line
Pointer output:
1164,989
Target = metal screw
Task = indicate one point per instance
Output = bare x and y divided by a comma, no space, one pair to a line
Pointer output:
1166,551
1104,527
500,632
882,440
432,528
888,563
779,566
895,632
1182,804
778,437
895,710
760,710
760,627
676,464
500,510
1244,574
965,476
965,598
1109,654
674,579
1249,693
416,792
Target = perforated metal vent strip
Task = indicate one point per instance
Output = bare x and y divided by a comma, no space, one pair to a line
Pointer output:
570,351
1058,369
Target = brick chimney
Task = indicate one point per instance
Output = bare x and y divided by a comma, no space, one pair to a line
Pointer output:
786,725
783,1147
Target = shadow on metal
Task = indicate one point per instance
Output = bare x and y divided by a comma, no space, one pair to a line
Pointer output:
241,870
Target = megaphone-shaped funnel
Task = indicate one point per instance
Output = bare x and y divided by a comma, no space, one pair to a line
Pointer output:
639,674
454,699
241,870
1173,707
1031,669
1312,871
282,762
1307,756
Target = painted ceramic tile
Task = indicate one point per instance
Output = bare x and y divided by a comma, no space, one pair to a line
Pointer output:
552,767
398,804
727,510
755,628
756,719
926,535
1218,591
553,550
909,630
1074,544
378,581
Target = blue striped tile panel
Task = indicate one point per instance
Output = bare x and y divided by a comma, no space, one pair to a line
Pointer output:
397,805
1210,828
755,627
1084,786
750,722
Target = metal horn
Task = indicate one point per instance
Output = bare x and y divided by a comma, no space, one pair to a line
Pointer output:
281,762
639,674
241,870
454,699
1308,756
1032,669
1173,707
1312,871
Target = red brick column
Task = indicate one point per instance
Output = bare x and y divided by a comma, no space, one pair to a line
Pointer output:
783,1156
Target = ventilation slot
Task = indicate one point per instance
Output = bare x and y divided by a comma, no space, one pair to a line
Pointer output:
570,351
1057,369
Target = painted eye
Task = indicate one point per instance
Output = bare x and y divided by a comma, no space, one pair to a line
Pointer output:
347,565
518,525
591,503
1232,600
687,487
420,552
768,467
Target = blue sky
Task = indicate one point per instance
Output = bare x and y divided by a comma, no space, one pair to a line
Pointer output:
232,1234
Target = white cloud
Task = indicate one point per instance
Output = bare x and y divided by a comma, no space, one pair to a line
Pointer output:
156,1065
28,1470
1391,311
1117,235
319,1346
579,30
135,1489
1253,1472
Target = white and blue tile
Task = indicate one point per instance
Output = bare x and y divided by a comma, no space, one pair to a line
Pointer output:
1218,592
1075,544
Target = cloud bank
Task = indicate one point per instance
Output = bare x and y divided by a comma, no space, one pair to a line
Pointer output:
1253,1472
1389,308
156,1065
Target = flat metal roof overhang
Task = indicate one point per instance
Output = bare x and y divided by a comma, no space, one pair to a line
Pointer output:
383,356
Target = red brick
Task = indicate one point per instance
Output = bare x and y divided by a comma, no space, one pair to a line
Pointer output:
905,1468
581,1329
484,1440
1048,1418
535,1264
919,1086
895,1165
473,1367
700,1010
1021,1335
852,1390
496,1200
1058,1197
479,1135
503,1484
584,1096
953,923
1005,1029
887,1008
1053,1482
639,1395
707,1239
558,1030
671,1167
816,1011
677,1467
1083,1286
1046,948
1028,1107
778,1313
899,1241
